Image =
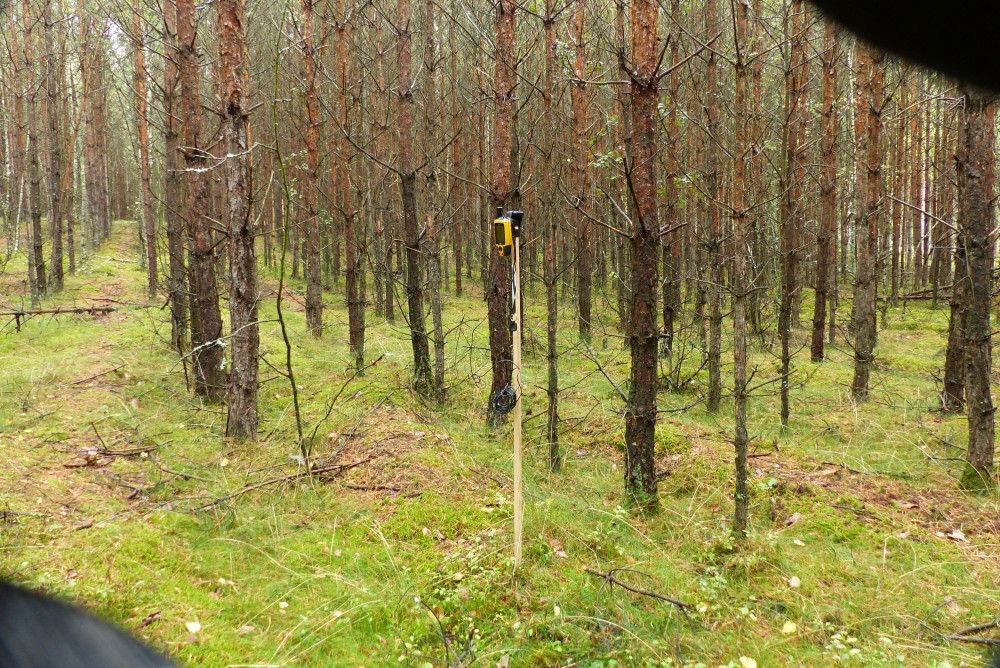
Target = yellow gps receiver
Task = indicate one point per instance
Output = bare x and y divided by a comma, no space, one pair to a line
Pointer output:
503,234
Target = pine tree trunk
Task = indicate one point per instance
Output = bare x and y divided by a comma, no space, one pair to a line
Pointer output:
578,103
433,202
672,241
173,184
34,168
550,194
869,125
976,180
899,191
53,71
953,394
791,201
18,144
799,146
411,234
354,266
640,412
206,330
498,294
314,268
70,133
714,241
916,157
101,137
826,244
148,222
243,292
741,513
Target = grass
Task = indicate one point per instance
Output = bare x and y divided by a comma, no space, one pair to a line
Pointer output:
406,558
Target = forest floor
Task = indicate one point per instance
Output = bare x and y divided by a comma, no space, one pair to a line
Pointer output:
119,491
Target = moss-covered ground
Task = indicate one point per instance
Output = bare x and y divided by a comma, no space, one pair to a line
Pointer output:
119,491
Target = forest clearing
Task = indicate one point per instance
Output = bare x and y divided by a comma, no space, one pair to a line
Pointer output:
445,333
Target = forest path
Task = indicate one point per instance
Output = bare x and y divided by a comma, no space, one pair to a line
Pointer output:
64,383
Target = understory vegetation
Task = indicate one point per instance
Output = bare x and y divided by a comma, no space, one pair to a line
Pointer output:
119,491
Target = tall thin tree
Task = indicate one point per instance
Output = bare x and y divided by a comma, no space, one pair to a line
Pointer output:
826,248
408,189
33,109
206,331
498,283
584,241
314,268
976,181
714,238
741,251
243,293
640,412
145,177
868,126
53,74
172,180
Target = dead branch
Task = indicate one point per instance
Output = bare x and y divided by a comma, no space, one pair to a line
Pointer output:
610,578
975,640
96,375
91,310
979,628
324,471
593,358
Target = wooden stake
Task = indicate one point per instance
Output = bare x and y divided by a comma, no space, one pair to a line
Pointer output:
516,381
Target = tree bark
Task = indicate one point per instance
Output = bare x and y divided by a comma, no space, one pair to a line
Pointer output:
17,144
53,72
869,125
354,264
498,289
578,103
953,393
640,412
434,201
791,201
34,169
173,185
826,245
314,267
741,512
87,104
408,185
549,193
100,138
672,241
714,241
976,180
916,171
206,331
71,131
800,67
148,222
243,292
899,191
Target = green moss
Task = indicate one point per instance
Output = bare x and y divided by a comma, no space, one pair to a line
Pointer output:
974,480
377,577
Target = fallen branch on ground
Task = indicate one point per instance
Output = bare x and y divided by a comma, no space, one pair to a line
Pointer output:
96,375
975,640
292,477
115,259
610,578
969,630
60,309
